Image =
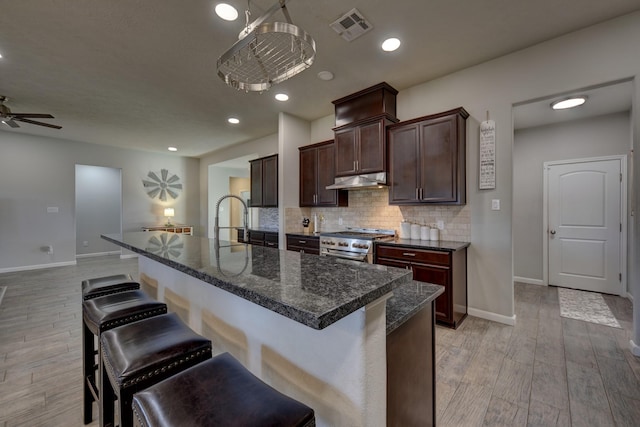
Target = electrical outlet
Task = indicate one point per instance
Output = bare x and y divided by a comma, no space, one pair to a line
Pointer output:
440,225
52,209
495,204
340,221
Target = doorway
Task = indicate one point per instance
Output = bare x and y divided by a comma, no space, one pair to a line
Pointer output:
584,225
599,129
98,209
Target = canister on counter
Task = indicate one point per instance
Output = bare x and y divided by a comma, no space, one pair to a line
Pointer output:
424,232
415,231
405,230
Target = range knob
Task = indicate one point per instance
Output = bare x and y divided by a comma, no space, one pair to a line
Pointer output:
343,244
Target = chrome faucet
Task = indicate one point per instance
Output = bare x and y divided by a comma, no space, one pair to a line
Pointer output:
216,227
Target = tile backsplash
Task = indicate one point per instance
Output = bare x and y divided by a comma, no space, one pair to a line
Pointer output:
371,209
268,218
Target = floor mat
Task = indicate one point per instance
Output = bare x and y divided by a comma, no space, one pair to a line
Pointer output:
587,306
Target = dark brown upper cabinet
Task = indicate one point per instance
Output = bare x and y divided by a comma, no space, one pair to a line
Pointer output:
264,182
427,159
360,132
317,170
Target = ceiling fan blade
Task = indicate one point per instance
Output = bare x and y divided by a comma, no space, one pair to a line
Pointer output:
33,122
32,115
10,123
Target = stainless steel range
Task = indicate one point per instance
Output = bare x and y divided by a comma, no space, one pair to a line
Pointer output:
353,243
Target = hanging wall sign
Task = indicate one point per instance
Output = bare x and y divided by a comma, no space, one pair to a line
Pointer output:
487,168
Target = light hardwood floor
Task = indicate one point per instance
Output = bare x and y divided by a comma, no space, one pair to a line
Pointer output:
545,371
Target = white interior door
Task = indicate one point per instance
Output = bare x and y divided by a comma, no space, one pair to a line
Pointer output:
584,225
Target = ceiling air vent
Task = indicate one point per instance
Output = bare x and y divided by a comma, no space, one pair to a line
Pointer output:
351,25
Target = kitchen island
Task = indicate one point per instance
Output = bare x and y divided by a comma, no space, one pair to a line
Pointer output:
312,327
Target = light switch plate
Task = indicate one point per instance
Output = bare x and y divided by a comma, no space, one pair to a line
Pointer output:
495,204
52,209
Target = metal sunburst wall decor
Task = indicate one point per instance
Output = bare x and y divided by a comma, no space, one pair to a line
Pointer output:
169,245
166,184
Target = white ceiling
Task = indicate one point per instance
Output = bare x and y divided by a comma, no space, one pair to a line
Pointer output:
142,73
609,99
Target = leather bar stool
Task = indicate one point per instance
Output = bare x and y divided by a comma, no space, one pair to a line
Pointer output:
218,392
140,354
103,313
101,286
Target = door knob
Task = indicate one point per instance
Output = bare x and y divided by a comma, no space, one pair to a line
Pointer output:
553,232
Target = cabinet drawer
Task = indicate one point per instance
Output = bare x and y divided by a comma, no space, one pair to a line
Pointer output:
309,245
271,237
413,255
393,263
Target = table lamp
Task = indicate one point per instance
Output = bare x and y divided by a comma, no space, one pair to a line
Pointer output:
169,212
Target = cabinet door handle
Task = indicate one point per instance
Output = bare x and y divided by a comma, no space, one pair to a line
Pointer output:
354,165
421,193
417,193
302,242
408,254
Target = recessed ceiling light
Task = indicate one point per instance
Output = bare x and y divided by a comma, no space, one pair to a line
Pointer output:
325,75
172,149
389,45
572,102
0,56
233,120
282,97
226,12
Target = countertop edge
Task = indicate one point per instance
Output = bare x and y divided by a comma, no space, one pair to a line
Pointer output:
409,299
440,245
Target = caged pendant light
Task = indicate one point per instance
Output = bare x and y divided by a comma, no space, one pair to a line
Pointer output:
266,53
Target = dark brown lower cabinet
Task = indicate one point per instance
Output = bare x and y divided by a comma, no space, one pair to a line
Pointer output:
448,269
307,245
263,238
411,385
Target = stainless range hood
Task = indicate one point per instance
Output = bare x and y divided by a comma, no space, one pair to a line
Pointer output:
359,182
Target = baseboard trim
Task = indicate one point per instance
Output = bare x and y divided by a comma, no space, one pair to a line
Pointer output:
528,281
494,317
37,266
630,297
635,349
97,254
128,256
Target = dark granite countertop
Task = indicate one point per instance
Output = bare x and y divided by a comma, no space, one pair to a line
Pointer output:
317,292
407,300
434,245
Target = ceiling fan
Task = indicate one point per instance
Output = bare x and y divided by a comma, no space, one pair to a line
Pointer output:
10,119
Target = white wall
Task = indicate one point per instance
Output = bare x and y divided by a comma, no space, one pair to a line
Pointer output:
594,137
37,172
